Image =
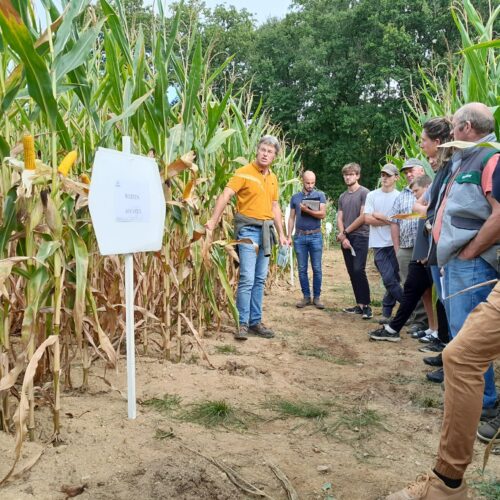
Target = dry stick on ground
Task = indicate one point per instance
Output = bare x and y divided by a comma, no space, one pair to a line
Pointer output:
233,476
290,490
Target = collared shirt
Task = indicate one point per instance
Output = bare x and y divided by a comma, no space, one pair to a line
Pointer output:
303,221
407,227
255,192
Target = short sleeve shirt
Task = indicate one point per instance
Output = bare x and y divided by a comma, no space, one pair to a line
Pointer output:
407,227
255,192
381,202
303,221
350,205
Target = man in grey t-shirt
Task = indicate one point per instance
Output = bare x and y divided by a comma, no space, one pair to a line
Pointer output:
353,236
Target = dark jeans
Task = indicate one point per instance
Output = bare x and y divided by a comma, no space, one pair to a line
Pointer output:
387,265
356,267
309,245
419,279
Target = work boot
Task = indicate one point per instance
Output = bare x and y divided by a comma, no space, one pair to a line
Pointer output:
259,330
430,487
317,303
306,301
242,332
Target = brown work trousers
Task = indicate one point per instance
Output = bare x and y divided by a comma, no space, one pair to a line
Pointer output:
465,359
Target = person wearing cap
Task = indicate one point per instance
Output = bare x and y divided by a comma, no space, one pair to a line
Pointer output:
258,214
378,206
404,232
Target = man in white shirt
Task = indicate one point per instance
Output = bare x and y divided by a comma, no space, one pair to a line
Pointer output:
377,207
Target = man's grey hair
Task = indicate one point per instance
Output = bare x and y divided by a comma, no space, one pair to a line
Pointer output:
270,140
479,116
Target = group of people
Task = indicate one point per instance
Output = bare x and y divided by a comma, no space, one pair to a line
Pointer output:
443,232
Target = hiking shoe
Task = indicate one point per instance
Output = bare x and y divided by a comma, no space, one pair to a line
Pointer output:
241,333
488,414
367,312
317,303
383,334
436,361
384,320
306,301
430,487
353,310
489,430
435,346
436,376
259,330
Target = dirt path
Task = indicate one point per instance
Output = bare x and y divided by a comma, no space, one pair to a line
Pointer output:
379,428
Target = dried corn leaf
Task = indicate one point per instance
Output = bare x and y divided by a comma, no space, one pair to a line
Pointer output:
21,414
7,381
104,341
185,162
413,215
198,340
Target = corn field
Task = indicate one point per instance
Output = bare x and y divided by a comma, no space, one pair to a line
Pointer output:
83,82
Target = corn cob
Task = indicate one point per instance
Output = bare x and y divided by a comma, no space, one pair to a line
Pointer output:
67,163
29,152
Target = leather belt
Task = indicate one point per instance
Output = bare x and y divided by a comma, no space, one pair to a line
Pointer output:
300,232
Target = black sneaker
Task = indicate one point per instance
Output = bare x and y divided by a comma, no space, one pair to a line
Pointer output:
489,430
367,312
353,310
428,338
259,330
436,361
488,414
436,376
418,335
383,334
435,346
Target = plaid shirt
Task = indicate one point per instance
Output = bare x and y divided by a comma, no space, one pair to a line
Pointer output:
407,227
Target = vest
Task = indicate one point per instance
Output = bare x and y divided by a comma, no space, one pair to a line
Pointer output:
466,207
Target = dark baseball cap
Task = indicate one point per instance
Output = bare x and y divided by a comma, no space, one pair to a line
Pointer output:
413,162
390,169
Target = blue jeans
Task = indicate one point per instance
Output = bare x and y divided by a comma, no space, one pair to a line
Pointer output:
253,274
388,267
309,245
458,275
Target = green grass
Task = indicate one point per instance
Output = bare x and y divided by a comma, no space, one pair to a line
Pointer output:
301,409
489,490
214,414
425,401
167,404
323,354
226,349
360,420
161,434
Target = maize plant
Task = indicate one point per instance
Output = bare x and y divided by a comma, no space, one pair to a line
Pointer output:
82,82
472,75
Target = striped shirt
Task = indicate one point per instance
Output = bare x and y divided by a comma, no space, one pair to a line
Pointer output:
407,227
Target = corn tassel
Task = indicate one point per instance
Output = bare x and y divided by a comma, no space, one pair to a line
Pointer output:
67,163
29,152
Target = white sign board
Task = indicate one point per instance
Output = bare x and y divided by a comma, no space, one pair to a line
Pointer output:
126,203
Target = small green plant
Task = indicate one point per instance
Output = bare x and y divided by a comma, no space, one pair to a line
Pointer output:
425,401
213,414
489,490
358,420
161,434
323,354
226,349
302,409
168,403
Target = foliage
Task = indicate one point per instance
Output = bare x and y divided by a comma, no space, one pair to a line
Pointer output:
302,409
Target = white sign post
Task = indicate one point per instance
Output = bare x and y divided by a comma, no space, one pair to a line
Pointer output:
127,207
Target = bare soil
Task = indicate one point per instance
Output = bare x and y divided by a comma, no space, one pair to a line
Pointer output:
380,430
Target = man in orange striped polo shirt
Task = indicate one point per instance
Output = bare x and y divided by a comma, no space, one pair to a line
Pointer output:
258,215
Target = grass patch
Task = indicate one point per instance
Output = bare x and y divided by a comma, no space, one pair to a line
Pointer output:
168,403
226,349
161,434
323,354
489,490
360,420
301,409
213,414
400,379
425,401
